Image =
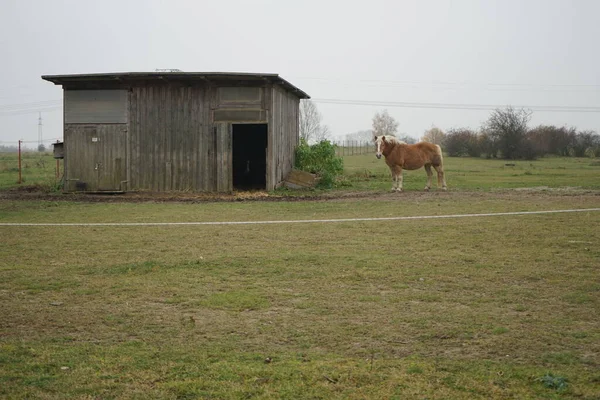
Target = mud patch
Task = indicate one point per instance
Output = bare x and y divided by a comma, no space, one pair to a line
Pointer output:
30,194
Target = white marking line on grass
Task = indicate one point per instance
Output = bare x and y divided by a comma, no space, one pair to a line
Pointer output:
300,221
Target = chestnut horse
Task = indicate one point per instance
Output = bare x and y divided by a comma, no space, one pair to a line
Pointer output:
400,155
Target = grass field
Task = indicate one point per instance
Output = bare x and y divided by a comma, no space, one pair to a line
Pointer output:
466,173
365,173
37,169
472,308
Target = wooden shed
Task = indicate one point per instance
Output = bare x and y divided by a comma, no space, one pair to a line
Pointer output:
165,131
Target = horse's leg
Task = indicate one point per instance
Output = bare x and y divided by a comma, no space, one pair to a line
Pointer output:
393,172
429,174
397,176
440,174
400,178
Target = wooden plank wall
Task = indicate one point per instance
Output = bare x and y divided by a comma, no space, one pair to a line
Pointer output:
172,145
283,135
95,156
224,167
171,142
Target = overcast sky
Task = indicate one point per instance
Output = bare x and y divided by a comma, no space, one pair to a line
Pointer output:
519,52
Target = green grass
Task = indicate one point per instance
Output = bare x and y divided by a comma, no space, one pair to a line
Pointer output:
475,308
37,169
465,173
367,173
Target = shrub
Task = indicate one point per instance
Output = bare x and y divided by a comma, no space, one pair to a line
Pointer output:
320,159
462,142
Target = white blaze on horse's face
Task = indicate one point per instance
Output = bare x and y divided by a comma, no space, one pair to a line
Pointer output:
379,144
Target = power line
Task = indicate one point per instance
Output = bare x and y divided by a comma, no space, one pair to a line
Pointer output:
30,108
447,84
30,111
9,107
450,106
53,105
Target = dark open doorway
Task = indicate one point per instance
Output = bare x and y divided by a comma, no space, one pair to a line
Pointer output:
249,156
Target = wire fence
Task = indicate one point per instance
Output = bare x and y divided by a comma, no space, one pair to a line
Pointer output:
353,147
19,164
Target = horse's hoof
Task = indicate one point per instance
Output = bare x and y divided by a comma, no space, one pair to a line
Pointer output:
444,188
427,188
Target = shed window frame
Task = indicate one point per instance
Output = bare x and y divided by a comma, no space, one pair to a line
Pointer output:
223,95
240,115
96,106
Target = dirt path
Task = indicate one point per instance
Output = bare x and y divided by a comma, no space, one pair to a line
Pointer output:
30,194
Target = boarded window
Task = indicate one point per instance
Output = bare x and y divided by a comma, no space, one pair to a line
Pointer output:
239,94
240,115
95,106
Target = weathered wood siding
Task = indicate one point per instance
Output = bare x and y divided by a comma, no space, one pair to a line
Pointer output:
283,135
178,136
172,143
223,150
95,157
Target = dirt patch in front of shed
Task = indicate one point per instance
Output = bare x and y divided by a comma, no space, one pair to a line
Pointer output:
26,193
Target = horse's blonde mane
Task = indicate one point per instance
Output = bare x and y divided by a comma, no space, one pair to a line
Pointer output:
393,139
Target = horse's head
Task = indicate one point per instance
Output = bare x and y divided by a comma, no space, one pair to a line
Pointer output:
379,145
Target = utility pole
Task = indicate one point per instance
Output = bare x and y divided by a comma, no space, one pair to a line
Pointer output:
40,131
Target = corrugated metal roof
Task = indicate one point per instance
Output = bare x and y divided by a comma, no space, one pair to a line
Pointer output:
180,76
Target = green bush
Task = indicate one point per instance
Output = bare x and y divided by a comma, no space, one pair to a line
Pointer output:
320,159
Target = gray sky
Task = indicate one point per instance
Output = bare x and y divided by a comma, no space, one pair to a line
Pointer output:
519,52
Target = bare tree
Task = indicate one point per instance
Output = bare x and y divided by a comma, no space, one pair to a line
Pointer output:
406,139
585,143
311,128
434,135
549,139
462,142
323,134
364,135
384,124
508,131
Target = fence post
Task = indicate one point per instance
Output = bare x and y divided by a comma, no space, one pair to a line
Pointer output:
20,180
57,166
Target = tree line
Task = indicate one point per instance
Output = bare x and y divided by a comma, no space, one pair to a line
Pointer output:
506,134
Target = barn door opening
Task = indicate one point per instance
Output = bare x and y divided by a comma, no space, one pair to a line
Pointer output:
249,156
